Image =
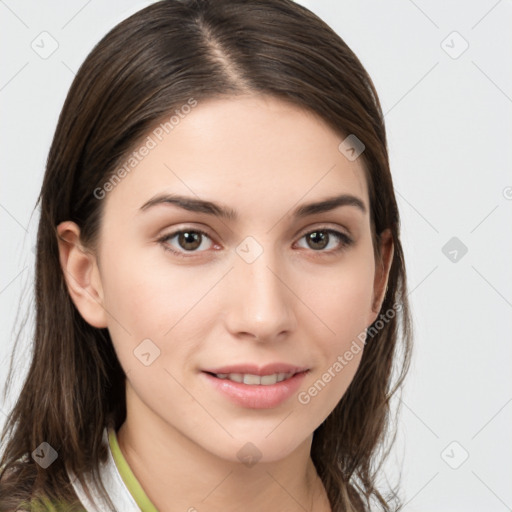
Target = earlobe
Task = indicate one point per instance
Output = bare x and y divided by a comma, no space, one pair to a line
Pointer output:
81,273
382,271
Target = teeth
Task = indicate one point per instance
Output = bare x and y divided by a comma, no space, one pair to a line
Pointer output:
269,379
252,380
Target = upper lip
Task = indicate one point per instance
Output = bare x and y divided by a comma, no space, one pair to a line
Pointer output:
268,369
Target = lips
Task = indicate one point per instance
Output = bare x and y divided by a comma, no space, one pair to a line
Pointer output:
256,387
252,369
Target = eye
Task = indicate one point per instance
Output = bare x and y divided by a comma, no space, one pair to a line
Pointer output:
326,240
186,240
192,241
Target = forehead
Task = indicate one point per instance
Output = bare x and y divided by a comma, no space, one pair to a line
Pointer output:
245,151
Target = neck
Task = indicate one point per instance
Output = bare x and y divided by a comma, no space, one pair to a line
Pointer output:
179,475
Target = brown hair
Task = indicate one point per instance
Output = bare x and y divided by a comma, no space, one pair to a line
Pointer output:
148,65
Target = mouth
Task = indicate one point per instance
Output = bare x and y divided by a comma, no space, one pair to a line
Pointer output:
257,388
254,380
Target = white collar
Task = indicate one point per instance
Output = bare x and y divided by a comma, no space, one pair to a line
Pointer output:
116,488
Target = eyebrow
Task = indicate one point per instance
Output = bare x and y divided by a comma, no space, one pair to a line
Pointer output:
210,208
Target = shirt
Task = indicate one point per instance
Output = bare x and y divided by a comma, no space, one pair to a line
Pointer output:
122,487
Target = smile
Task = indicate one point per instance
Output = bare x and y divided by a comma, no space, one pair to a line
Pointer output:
254,380
271,388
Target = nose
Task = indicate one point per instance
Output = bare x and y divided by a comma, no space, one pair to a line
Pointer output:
261,301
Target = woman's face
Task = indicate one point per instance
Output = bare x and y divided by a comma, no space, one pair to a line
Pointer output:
213,260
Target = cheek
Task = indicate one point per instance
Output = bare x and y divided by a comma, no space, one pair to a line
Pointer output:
342,298
343,304
149,298
146,292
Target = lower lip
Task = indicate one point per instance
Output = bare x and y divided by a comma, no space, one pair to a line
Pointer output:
257,396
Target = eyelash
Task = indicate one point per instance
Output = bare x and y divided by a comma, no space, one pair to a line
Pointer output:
345,241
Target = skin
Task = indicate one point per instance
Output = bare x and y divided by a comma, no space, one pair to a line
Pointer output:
296,303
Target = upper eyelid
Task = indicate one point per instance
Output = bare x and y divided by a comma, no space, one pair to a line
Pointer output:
302,232
325,227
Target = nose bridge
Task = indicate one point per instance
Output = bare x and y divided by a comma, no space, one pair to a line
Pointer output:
260,303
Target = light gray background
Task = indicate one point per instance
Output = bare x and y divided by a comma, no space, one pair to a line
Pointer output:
448,116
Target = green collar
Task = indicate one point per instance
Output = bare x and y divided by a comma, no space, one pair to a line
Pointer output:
132,484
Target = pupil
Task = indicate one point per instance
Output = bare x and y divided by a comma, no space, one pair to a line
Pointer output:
189,240
320,238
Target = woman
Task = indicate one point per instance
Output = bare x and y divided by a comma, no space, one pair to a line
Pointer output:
220,284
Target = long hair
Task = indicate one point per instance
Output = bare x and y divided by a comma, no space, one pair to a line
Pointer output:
137,75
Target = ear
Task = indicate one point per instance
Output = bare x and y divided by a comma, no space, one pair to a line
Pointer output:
81,274
383,266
